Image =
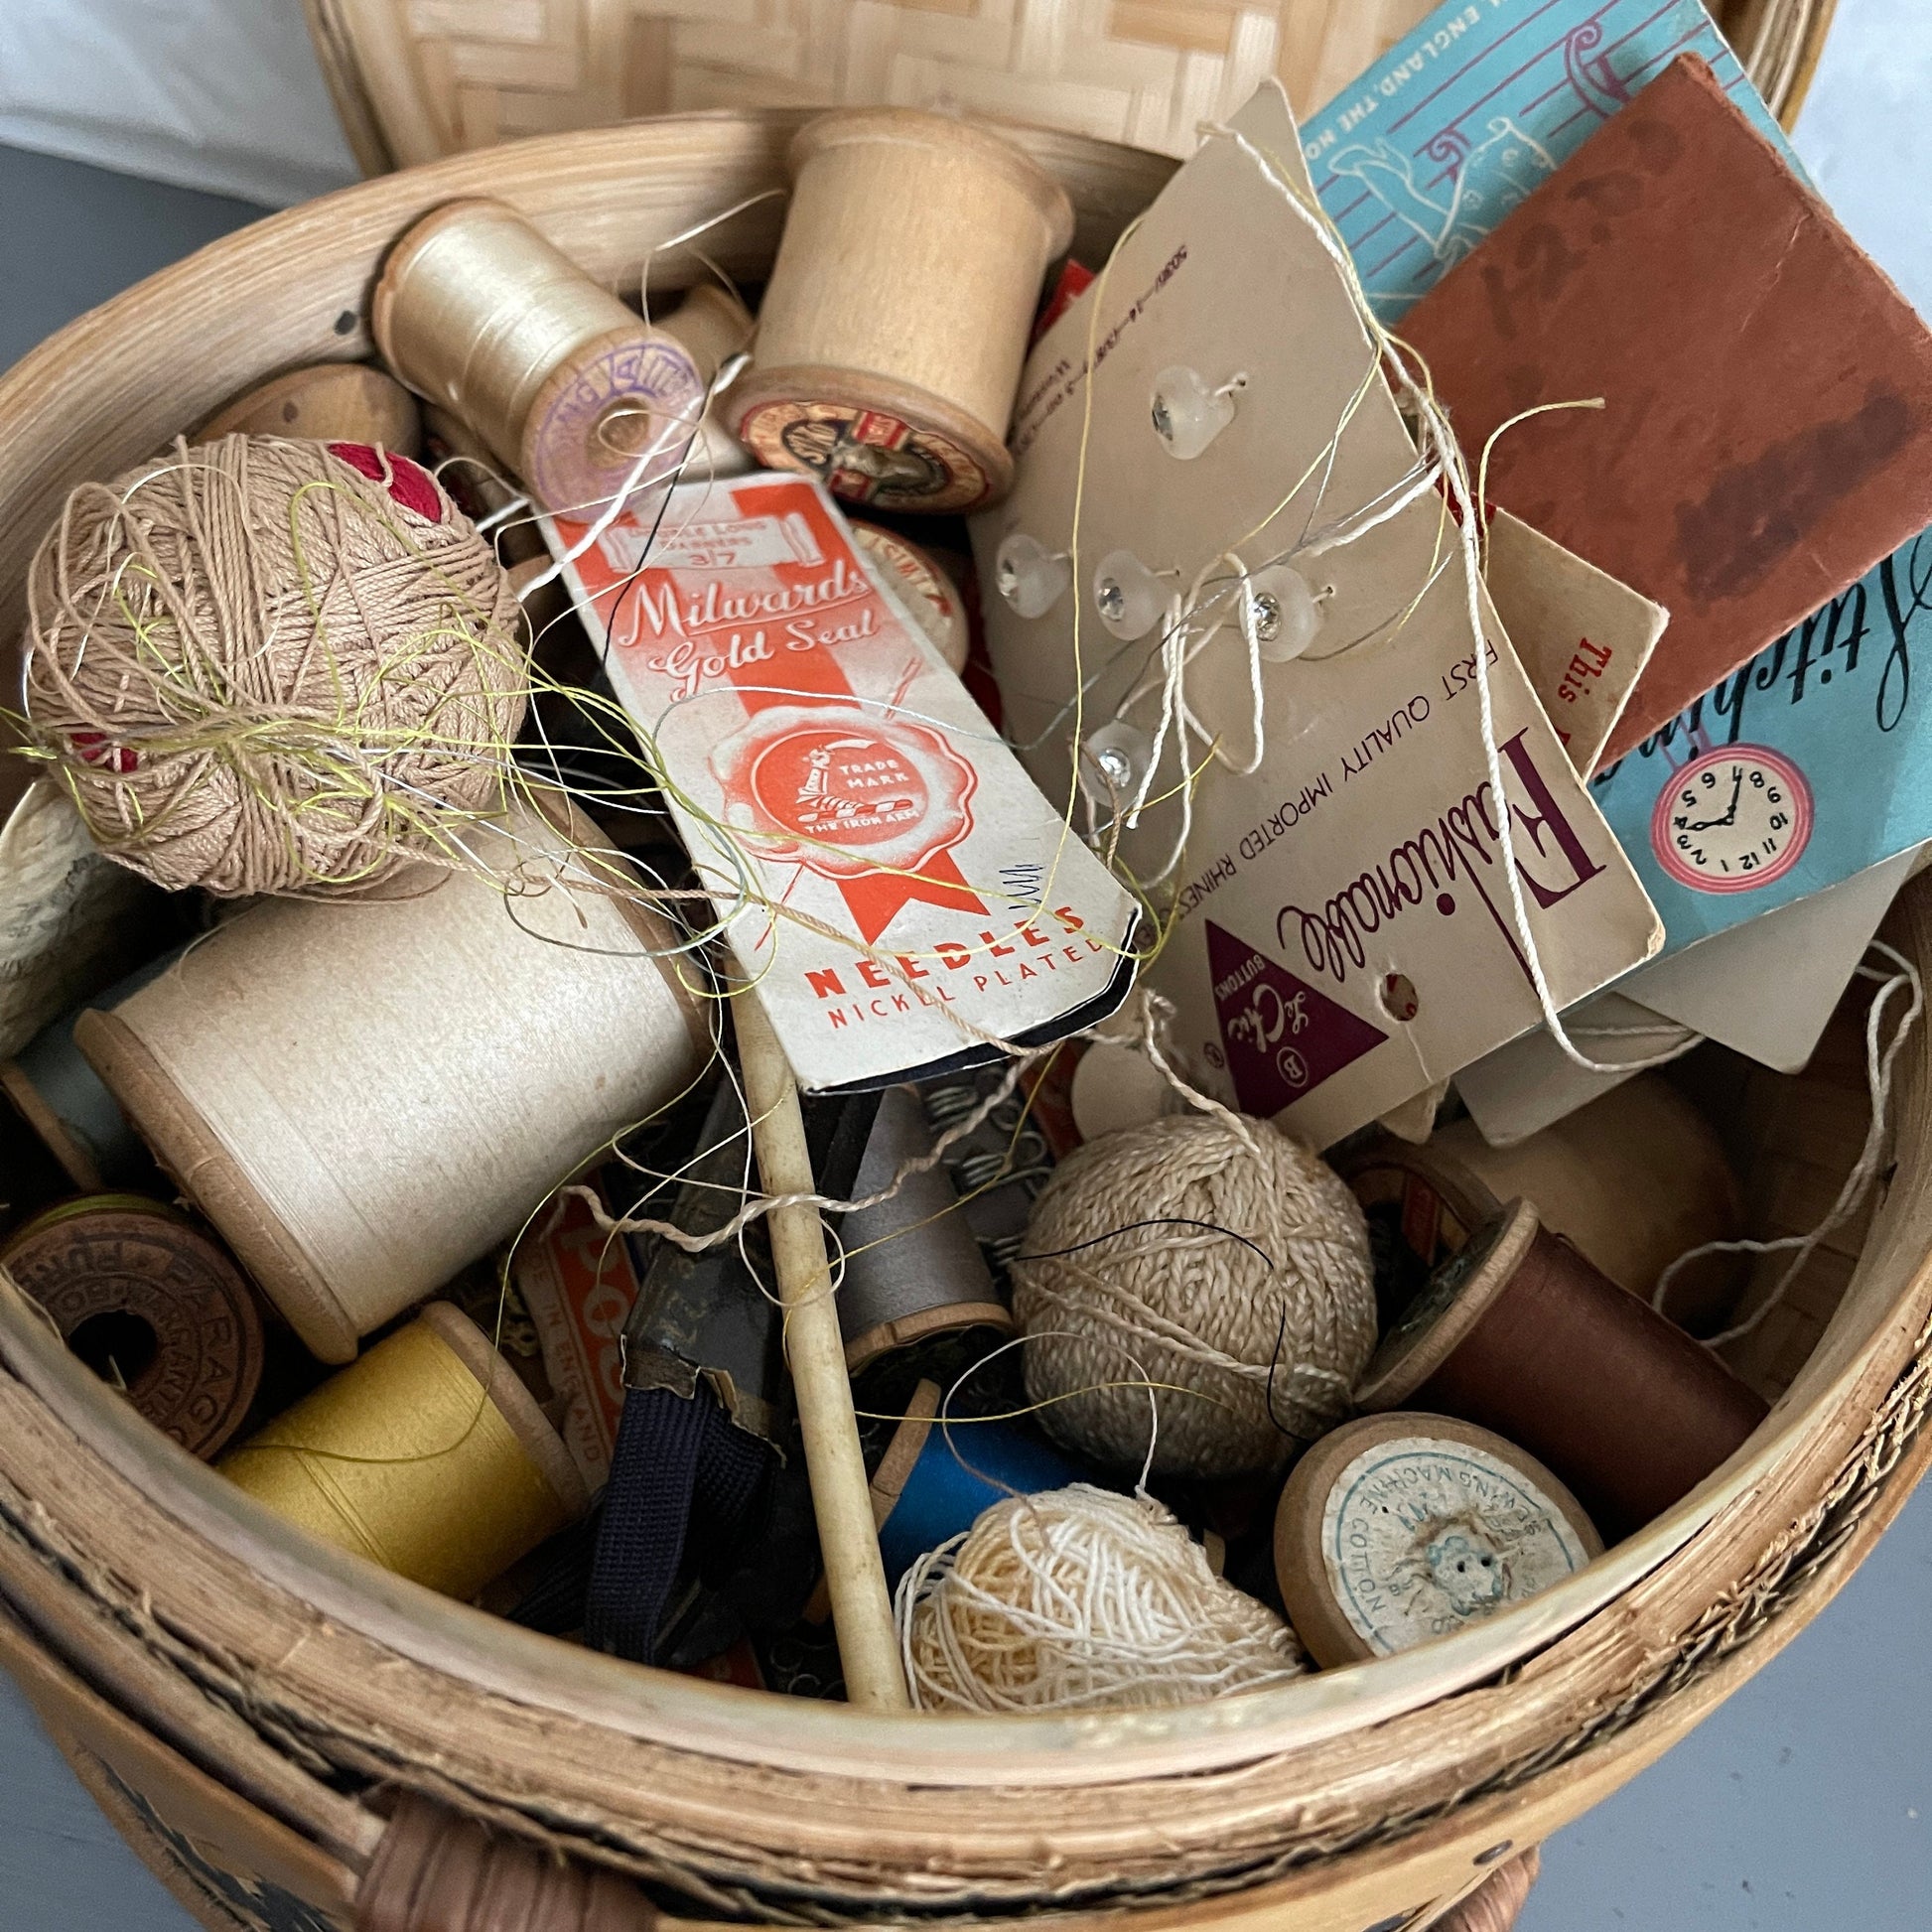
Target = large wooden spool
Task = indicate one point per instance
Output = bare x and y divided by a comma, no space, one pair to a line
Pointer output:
252,1705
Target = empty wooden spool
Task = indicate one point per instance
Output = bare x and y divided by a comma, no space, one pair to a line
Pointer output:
894,324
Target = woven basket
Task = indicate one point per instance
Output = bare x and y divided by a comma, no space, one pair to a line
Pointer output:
417,79
300,1741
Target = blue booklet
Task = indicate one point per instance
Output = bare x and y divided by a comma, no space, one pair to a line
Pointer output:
1425,154
1811,764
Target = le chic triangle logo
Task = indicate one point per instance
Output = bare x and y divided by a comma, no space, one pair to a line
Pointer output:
1282,1037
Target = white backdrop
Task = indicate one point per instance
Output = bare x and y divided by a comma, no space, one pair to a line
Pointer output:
225,95
222,94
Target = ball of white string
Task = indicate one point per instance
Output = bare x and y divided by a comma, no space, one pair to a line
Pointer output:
1209,1255
1081,1599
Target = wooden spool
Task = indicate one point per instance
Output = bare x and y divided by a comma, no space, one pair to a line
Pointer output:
153,1305
427,1456
1519,1334
928,594
328,402
1397,1530
479,314
1429,1769
894,324
1635,1180
344,1226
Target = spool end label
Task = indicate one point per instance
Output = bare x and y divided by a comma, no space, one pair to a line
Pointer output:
866,456
1423,1537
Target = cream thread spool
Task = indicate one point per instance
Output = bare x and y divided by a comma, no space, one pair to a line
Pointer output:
713,325
328,402
894,324
1635,1180
478,313
427,1456
364,1098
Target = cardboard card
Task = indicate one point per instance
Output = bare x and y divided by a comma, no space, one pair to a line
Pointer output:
1767,989
1342,934
1583,638
902,887
1421,157
1832,721
1531,1083
1766,428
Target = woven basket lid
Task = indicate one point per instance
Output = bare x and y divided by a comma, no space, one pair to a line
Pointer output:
415,81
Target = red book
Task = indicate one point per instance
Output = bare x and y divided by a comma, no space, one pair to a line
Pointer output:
1766,435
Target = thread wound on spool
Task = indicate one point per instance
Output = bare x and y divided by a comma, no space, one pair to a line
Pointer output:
272,666
365,1098
476,311
894,324
427,1456
1080,1599
1141,1264
1519,1334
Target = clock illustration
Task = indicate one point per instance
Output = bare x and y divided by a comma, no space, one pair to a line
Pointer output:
1733,820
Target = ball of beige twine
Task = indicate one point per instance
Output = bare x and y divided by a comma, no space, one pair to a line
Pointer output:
1080,1599
257,669
1132,1273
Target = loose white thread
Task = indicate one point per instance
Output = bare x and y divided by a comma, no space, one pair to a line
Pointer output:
1864,1170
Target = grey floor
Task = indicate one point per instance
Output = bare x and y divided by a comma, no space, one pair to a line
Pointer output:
1804,1805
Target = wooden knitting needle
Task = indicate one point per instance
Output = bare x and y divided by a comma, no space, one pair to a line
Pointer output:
855,1575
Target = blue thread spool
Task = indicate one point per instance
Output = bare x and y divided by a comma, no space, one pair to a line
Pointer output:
927,1494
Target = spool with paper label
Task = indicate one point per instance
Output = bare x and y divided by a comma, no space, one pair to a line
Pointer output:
478,313
151,1306
328,402
894,324
1399,1529
364,1098
427,1456
1519,1334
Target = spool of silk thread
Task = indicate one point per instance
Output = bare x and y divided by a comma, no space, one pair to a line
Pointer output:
365,1098
927,592
896,321
326,402
427,1456
913,1267
478,313
151,1306
1518,1333
933,1481
64,1101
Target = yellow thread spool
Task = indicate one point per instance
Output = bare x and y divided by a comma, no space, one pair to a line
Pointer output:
478,313
894,324
427,1456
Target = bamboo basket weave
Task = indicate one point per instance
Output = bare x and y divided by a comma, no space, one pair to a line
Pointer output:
416,80
299,1743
